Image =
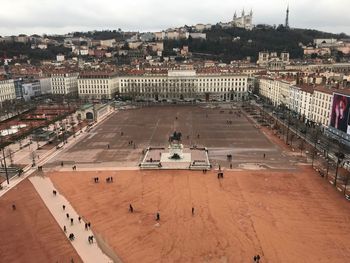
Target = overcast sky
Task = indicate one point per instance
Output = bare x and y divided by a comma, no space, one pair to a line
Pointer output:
63,16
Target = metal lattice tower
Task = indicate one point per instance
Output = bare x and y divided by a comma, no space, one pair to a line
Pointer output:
287,18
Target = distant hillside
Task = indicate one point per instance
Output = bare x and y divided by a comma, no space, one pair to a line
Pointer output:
220,43
24,50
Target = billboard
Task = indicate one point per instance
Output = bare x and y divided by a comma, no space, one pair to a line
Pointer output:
340,113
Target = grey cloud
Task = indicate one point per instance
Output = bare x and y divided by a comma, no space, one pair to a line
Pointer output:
62,16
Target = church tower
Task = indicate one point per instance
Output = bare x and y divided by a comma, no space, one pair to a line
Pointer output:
287,18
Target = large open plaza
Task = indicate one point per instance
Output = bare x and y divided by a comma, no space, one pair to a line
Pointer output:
269,202
224,131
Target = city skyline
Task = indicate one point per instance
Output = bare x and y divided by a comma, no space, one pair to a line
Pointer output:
59,17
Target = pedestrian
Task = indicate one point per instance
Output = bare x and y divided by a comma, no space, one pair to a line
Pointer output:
112,179
64,207
254,258
264,155
108,146
62,163
230,165
86,226
67,215
89,224
64,229
79,218
71,221
89,240
258,258
131,209
157,216
92,239
54,192
219,167
193,211
13,207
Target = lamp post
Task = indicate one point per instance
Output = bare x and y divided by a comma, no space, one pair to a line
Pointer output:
340,156
315,148
5,166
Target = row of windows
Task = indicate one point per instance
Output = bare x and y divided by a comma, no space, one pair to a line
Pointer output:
93,81
126,90
7,97
93,86
84,91
180,80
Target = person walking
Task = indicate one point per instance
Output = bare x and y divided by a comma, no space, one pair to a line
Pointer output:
67,215
79,218
64,207
131,208
71,221
193,211
86,226
157,216
64,229
13,207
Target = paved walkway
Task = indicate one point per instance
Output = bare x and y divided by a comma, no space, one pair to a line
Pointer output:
88,252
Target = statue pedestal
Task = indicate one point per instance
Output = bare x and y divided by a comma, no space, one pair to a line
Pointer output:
176,149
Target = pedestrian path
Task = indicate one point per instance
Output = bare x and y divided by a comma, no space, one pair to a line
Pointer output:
83,168
88,252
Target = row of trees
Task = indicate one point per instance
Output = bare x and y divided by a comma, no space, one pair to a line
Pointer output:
314,134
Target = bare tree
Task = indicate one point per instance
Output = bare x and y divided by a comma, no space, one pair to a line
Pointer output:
346,181
301,147
10,154
291,137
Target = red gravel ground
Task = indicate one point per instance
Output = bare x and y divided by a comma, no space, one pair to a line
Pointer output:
31,234
289,216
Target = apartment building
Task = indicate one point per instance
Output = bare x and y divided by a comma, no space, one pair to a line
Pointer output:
185,84
322,104
30,89
7,90
64,83
98,85
310,101
277,90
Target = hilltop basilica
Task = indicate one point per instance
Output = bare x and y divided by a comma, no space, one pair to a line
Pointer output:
243,21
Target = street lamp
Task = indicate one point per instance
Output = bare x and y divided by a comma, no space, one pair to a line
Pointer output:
340,156
5,166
